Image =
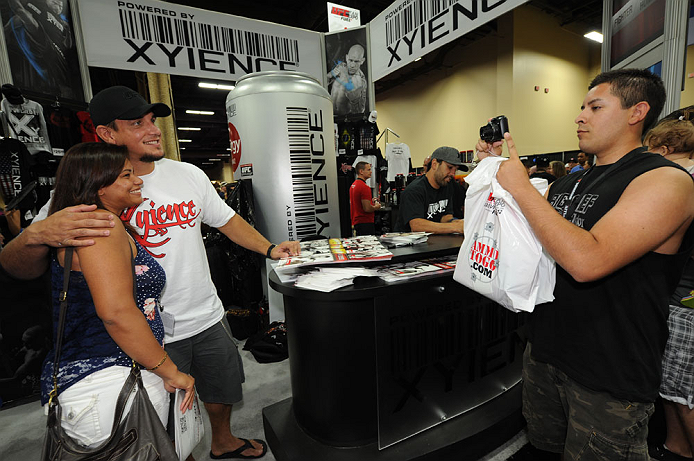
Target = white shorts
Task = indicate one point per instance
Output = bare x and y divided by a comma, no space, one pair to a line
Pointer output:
89,405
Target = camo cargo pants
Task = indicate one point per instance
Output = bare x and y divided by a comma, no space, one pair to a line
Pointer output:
565,417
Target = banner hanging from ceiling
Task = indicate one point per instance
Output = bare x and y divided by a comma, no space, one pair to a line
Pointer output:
342,17
408,29
155,36
41,47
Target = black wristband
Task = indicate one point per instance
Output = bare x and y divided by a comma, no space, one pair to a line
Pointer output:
269,251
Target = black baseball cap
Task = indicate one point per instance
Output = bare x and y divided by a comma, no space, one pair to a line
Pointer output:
542,162
122,103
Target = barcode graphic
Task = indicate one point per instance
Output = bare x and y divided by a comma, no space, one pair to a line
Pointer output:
301,169
136,25
413,16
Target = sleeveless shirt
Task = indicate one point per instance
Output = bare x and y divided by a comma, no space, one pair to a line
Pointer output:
609,335
87,346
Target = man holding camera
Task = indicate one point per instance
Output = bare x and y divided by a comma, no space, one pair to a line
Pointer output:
591,369
427,203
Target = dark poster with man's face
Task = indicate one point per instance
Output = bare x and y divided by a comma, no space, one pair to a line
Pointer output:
41,47
348,77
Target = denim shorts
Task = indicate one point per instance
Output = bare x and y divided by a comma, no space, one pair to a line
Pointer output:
89,405
566,417
212,358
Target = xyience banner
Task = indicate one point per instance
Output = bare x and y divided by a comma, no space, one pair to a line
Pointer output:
408,29
154,36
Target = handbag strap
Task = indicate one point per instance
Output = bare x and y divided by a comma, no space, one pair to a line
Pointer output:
135,377
132,267
67,263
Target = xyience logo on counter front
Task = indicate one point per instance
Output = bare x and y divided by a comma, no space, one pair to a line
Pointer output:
484,259
235,143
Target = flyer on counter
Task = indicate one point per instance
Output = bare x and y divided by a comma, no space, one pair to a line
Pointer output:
414,269
330,251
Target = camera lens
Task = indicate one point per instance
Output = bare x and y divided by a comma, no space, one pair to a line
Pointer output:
487,133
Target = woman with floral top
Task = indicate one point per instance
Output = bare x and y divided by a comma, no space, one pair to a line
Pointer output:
106,330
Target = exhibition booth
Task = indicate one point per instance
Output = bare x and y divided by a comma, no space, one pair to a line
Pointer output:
403,370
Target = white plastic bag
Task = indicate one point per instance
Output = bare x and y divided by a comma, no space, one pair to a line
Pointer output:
189,427
500,257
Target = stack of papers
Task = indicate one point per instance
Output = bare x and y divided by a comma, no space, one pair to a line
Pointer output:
404,271
331,278
398,239
329,251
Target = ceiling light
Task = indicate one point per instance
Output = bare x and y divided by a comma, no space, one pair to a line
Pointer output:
185,140
215,159
215,86
189,128
228,148
182,148
419,58
596,36
200,112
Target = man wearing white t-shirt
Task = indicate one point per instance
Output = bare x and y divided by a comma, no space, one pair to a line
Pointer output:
178,198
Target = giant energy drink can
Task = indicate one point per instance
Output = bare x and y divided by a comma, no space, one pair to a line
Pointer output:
281,135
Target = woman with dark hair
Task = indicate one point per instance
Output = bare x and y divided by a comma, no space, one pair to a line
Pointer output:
106,330
674,140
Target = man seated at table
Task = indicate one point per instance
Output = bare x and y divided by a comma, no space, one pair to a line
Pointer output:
427,204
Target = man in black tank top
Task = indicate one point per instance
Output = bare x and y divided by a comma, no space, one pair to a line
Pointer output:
620,233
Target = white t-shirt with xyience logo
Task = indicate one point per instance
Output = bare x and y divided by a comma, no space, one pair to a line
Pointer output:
177,198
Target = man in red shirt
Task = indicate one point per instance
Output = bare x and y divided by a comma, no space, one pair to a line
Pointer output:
361,204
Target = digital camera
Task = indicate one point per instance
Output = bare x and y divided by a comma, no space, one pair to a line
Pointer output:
495,129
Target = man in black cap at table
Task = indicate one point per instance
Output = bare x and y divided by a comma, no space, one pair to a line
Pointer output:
427,204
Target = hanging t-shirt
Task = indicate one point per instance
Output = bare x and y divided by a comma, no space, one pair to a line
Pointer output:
27,124
347,144
63,129
371,159
367,133
15,168
44,169
87,129
398,158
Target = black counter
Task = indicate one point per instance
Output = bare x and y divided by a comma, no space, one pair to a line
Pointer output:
398,370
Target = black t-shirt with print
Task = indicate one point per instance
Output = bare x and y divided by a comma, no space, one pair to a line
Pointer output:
420,200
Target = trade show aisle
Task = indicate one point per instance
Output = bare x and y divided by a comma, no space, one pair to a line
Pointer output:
22,427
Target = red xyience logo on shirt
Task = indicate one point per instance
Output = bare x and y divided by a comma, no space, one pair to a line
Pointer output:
156,221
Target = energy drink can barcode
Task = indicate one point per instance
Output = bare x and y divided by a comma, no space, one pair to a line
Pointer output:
281,134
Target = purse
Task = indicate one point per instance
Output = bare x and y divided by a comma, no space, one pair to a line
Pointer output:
139,436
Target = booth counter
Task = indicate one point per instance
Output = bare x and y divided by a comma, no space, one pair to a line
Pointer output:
397,371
